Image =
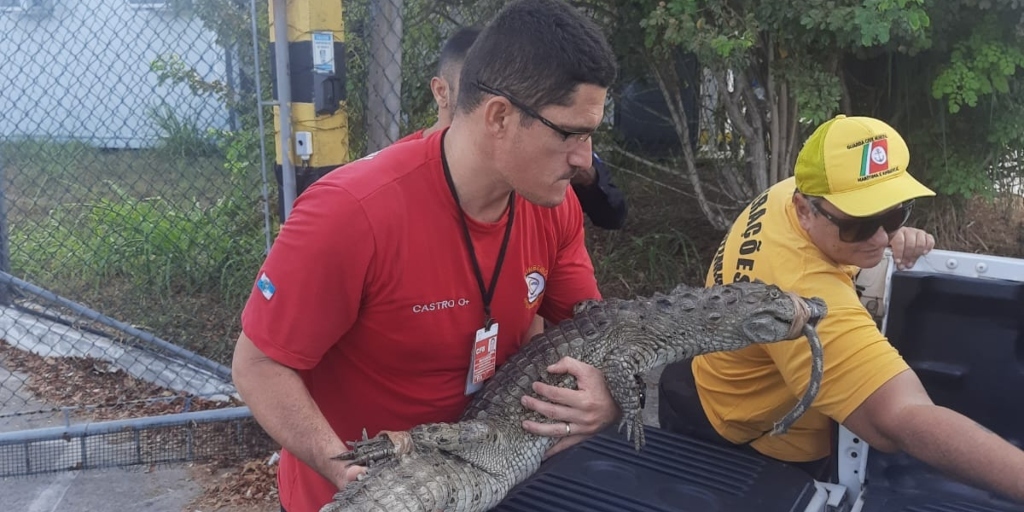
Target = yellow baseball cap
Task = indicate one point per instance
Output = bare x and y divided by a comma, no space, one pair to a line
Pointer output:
859,164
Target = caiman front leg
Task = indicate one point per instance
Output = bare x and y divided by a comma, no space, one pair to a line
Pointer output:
383,447
627,389
446,437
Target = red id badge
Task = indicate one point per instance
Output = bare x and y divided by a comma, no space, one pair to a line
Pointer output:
482,359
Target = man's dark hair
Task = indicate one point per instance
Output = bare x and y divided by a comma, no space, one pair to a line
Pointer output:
537,51
454,51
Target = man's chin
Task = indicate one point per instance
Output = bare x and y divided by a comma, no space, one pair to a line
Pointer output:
871,259
546,201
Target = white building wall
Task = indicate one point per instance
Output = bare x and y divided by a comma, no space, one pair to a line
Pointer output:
82,72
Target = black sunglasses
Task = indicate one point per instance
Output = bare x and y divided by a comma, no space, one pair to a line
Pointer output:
580,136
861,229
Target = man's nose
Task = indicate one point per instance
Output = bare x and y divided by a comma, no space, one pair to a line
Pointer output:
582,155
881,236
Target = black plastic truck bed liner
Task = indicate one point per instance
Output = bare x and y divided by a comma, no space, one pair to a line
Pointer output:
672,473
964,336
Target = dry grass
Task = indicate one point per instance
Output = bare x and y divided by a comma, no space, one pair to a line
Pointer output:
665,241
987,226
250,486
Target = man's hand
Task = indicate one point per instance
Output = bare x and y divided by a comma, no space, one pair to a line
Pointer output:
347,473
584,177
577,413
281,404
909,244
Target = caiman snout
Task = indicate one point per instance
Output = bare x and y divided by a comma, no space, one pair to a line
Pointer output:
805,312
818,310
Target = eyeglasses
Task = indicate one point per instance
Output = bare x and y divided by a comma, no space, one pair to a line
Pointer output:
580,136
861,229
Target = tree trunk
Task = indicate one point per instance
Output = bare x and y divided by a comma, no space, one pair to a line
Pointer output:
791,143
777,100
756,149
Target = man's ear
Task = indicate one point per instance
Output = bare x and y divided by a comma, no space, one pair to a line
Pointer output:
497,115
803,209
439,88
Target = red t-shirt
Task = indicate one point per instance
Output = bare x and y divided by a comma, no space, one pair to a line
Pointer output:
418,134
373,298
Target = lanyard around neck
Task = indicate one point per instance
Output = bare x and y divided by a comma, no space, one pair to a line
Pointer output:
486,293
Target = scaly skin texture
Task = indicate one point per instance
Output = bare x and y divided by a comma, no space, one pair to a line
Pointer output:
470,466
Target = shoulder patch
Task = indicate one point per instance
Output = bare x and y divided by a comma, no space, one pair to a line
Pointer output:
266,287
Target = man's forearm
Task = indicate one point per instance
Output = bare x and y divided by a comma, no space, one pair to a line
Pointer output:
957,445
281,404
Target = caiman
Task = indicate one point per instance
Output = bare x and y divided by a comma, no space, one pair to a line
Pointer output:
470,466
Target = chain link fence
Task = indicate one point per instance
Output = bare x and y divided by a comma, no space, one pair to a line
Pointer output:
133,210
79,390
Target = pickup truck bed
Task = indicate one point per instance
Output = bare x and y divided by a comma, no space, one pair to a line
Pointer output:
672,473
958,320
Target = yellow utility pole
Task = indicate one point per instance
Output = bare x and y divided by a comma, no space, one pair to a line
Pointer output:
309,91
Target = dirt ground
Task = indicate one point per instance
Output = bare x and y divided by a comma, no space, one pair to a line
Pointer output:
246,487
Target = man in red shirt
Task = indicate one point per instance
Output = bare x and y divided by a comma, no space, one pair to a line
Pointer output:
391,270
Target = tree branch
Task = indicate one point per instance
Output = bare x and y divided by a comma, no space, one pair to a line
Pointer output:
732,106
672,98
791,140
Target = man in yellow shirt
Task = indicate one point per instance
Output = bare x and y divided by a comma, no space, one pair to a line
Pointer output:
849,199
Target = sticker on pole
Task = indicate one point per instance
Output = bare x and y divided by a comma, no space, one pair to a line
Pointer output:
323,53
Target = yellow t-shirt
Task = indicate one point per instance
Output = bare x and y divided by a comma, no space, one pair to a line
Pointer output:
745,391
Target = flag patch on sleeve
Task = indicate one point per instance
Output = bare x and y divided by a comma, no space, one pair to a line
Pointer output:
266,287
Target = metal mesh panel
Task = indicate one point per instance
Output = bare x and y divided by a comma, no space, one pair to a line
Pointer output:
230,435
80,390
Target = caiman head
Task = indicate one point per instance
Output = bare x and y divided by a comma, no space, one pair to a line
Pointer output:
738,315
757,312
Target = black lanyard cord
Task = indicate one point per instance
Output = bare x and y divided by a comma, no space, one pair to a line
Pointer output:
486,294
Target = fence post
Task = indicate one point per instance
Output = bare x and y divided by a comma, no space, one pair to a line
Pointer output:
384,80
283,109
5,245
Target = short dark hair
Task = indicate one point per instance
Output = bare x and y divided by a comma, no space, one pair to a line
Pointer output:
454,51
538,51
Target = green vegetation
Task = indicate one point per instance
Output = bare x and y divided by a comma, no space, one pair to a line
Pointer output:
142,235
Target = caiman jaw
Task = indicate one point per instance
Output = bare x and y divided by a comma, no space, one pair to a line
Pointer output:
802,315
